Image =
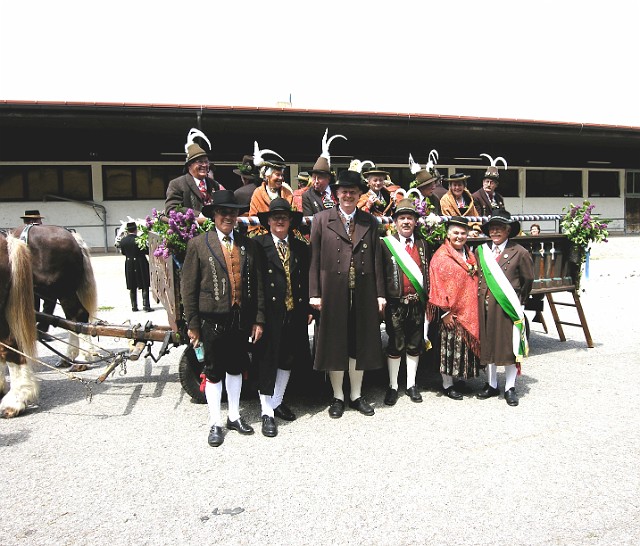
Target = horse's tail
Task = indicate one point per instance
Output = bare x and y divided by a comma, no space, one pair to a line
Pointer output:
20,310
87,291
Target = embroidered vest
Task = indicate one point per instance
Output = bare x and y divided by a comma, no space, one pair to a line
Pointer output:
232,260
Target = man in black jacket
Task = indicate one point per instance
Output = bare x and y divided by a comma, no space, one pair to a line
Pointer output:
136,268
285,344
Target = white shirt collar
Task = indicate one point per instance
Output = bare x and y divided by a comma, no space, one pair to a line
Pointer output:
501,247
277,239
350,216
221,235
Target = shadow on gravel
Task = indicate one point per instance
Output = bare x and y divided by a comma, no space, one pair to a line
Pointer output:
14,438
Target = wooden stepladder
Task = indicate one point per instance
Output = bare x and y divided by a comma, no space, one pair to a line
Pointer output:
578,306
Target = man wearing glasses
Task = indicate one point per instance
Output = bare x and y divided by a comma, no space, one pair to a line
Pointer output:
195,188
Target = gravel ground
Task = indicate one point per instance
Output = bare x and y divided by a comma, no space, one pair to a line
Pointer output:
133,465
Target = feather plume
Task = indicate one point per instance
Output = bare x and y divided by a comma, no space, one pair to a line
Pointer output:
433,157
416,192
495,161
258,160
326,143
415,167
373,165
193,133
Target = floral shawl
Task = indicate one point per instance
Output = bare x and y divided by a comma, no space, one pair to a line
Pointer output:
454,286
449,207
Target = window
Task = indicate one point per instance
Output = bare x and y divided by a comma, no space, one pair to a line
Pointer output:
138,182
550,183
633,183
34,182
604,184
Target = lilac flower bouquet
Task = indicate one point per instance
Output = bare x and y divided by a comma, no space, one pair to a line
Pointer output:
175,229
431,226
582,227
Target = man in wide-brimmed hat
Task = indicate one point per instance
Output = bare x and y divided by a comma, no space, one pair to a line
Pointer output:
32,217
285,344
425,182
250,176
346,285
506,278
194,189
405,256
222,293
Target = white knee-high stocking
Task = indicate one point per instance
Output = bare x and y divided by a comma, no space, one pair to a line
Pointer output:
355,379
510,373
213,393
412,370
394,367
282,379
266,404
492,375
234,386
337,378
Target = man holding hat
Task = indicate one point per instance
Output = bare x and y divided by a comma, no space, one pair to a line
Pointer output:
346,285
487,199
285,344
222,293
250,177
506,278
195,188
405,256
136,268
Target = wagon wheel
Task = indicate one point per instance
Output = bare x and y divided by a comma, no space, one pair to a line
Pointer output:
189,370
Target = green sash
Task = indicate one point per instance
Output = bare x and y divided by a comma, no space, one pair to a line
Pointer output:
507,298
409,267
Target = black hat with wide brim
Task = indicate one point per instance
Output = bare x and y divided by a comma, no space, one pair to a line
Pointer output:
280,205
501,216
457,177
223,199
350,179
457,221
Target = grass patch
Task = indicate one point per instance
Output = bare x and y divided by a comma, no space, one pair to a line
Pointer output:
105,308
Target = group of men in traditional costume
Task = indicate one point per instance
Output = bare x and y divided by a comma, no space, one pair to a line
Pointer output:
262,291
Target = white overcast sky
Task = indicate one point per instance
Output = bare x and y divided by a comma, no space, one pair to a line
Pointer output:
561,60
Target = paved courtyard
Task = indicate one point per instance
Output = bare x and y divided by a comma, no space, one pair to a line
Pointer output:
132,466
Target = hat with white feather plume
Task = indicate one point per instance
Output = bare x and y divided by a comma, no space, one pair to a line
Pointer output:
193,150
492,170
427,175
260,161
323,164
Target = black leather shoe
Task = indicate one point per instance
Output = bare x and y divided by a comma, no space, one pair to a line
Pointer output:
362,406
283,412
336,409
452,393
269,427
148,309
216,437
462,387
487,392
391,397
240,426
511,397
414,394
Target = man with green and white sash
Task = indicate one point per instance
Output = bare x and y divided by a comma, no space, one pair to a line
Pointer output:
405,256
505,280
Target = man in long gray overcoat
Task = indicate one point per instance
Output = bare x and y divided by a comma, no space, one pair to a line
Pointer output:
346,284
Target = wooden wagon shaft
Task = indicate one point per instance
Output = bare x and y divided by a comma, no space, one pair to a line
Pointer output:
139,333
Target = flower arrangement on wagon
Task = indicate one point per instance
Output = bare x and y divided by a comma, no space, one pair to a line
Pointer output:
175,229
431,226
582,227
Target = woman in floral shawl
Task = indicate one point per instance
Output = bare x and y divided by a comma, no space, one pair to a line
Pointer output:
458,200
453,302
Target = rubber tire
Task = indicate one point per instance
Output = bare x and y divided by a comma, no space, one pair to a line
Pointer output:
189,370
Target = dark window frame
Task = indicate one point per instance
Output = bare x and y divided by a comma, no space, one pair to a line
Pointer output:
23,171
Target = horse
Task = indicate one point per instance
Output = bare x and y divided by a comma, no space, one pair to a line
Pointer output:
62,271
17,327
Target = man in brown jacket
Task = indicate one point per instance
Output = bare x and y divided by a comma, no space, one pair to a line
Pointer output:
222,293
511,277
346,284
